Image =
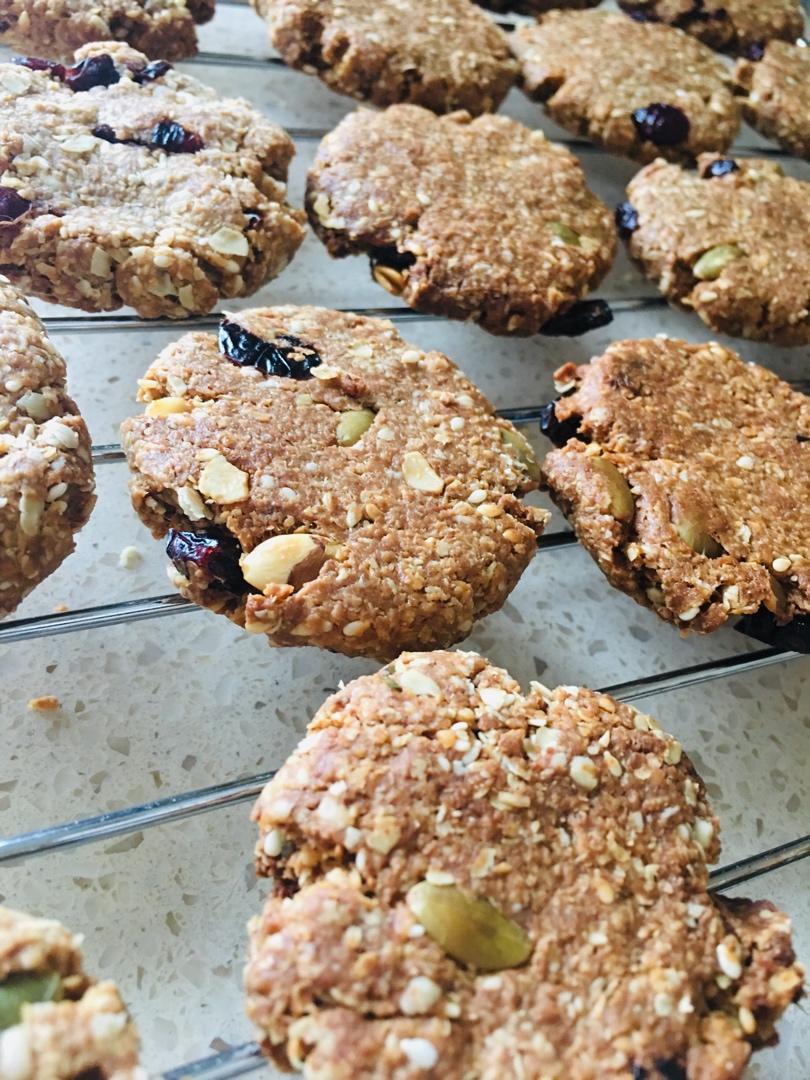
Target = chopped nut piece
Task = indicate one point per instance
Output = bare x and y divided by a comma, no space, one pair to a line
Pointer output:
222,481
167,406
228,241
283,560
393,281
419,474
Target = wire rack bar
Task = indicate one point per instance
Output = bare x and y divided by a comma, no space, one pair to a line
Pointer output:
178,807
247,1057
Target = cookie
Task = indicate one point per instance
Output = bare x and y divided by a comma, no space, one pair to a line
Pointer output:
472,219
730,241
55,1022
776,95
164,29
639,89
127,182
325,483
472,882
735,26
46,472
447,55
685,472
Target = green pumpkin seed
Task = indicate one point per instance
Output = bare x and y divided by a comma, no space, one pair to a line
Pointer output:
693,533
777,602
622,504
713,262
25,988
353,425
564,232
469,929
523,451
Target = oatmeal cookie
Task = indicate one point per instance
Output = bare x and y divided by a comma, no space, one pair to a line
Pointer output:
55,1022
445,55
731,241
639,89
685,473
127,182
776,95
735,26
472,219
472,882
46,473
164,29
325,483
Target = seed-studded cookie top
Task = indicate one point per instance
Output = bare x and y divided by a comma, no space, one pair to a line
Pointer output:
46,474
640,89
776,93
125,181
475,882
483,220
688,480
731,241
347,489
737,26
446,55
55,1023
164,29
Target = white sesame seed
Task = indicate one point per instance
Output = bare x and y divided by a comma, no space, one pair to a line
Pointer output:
729,961
781,564
419,996
745,461
419,1052
439,877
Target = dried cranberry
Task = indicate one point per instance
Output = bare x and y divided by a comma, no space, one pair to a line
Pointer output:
559,431
12,206
172,137
392,257
579,319
156,69
755,50
720,167
35,63
214,552
105,132
640,14
664,125
94,71
626,219
640,1073
670,1069
286,355
803,438
254,217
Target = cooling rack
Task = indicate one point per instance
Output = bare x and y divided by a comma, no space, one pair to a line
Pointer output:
730,666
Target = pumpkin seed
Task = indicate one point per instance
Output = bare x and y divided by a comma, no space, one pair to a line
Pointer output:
523,451
693,533
622,504
564,232
24,988
713,262
353,425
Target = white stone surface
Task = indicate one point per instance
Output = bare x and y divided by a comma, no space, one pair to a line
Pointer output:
166,706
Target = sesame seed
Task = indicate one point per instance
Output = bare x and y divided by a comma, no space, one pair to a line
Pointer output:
781,564
745,461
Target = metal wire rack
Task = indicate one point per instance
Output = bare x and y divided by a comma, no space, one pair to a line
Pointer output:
245,1058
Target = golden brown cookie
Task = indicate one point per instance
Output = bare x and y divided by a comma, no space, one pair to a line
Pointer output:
776,95
444,55
467,881
46,473
127,182
163,29
731,241
325,483
55,1022
686,475
472,219
735,26
639,89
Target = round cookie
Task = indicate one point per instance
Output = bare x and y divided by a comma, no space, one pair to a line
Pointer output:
127,182
55,1022
46,472
472,219
730,241
446,55
776,95
164,29
472,882
685,472
735,26
325,483
638,89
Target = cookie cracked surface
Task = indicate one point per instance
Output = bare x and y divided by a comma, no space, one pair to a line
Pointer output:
730,241
163,29
600,74
370,500
776,95
472,219
55,1022
688,480
447,55
434,808
734,26
46,473
125,182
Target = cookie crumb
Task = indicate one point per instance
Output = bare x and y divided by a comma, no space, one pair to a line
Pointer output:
130,557
46,703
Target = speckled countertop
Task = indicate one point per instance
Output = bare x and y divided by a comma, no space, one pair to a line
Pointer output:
183,702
